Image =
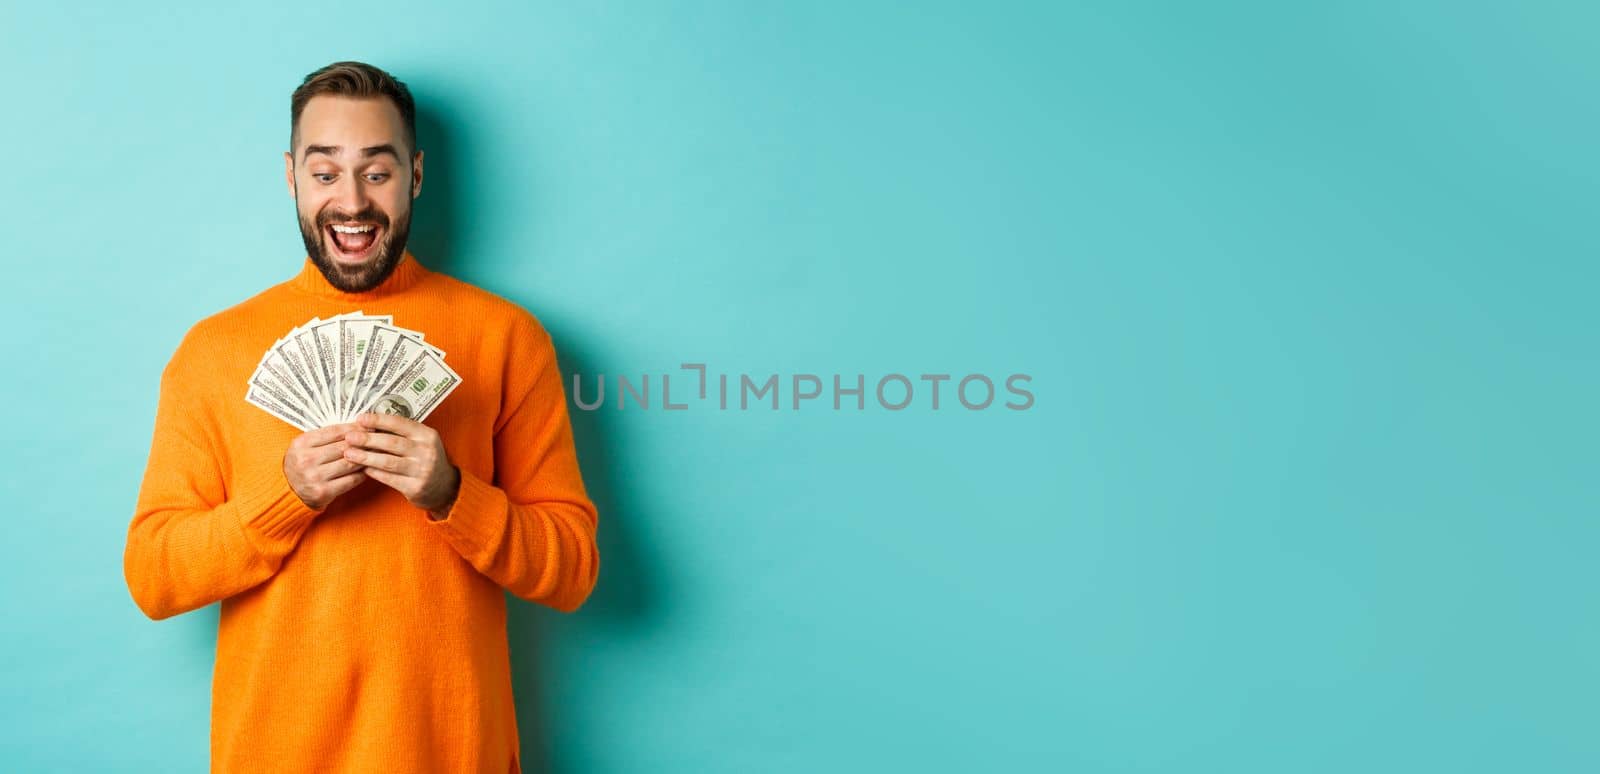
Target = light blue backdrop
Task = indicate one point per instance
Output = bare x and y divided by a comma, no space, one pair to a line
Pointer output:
1307,292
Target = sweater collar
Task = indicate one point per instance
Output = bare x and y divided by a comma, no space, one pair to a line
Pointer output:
407,273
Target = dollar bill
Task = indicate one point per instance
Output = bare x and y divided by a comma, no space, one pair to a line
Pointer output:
417,389
329,370
390,350
274,366
288,353
324,337
355,335
305,345
260,398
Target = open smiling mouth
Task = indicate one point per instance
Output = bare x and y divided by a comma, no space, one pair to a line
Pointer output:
354,242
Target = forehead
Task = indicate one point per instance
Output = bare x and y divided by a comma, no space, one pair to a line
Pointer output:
350,122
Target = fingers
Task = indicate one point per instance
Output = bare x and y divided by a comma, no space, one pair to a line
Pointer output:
345,483
325,435
393,480
329,471
323,485
384,442
302,460
326,452
379,460
393,423
315,466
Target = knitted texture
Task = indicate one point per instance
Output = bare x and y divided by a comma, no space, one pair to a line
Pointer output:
365,637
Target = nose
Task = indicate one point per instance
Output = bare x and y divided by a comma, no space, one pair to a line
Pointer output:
351,196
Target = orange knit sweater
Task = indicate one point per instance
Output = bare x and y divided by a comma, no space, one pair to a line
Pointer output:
365,637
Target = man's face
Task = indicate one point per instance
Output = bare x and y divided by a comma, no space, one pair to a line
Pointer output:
350,170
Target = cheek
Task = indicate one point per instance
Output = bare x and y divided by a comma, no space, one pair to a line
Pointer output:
396,211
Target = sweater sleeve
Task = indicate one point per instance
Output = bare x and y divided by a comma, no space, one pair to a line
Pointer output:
190,543
532,529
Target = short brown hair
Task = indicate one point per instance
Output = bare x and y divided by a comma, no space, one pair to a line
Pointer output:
353,79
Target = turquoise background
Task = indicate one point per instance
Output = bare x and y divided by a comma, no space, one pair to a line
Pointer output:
1307,292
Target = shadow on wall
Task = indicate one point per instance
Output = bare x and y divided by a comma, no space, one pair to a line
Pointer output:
433,219
623,598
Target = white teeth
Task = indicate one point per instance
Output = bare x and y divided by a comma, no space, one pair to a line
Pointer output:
351,229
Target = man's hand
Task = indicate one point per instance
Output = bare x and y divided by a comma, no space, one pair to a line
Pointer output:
407,456
316,468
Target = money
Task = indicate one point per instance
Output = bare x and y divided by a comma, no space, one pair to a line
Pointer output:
327,371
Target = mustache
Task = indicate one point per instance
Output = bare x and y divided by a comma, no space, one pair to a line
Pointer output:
368,215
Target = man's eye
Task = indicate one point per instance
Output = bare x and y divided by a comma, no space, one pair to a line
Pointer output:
322,175
381,176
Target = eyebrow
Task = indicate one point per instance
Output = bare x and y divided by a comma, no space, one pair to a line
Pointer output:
368,152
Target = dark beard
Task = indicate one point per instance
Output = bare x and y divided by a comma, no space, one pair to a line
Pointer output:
362,279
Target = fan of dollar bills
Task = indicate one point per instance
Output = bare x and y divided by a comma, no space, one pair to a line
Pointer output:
326,372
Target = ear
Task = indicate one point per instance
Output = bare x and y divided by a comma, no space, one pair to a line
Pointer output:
416,175
288,171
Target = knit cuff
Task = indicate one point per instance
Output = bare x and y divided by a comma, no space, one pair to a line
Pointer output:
477,519
272,516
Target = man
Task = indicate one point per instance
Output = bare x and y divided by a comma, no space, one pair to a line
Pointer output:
362,567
